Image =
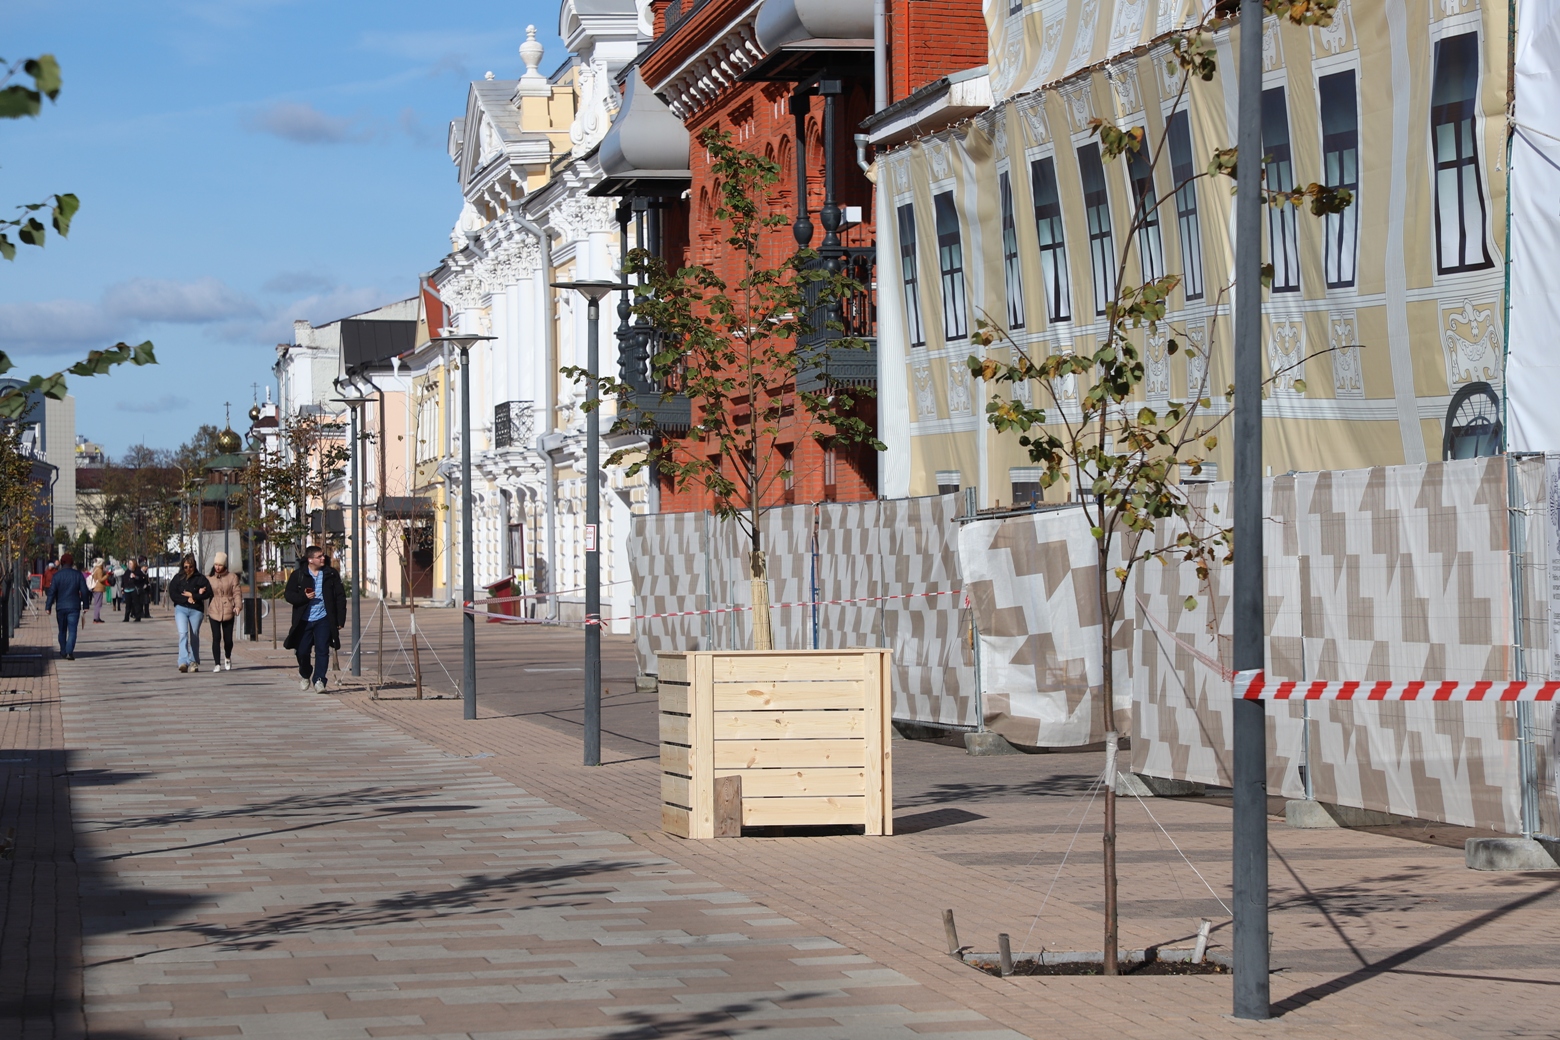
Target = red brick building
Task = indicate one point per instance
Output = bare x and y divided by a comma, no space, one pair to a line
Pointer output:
770,73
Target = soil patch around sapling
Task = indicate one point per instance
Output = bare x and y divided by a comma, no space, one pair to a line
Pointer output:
1128,966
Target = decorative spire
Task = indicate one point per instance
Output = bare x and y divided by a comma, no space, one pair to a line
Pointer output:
533,83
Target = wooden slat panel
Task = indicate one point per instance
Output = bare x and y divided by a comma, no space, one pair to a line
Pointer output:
788,725
701,823
785,754
674,729
788,667
673,696
872,727
886,699
787,696
674,821
676,759
672,667
796,812
674,790
793,783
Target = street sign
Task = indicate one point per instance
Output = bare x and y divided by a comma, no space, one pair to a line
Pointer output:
590,537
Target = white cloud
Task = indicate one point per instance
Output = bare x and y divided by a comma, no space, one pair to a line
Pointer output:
164,300
132,309
302,123
165,403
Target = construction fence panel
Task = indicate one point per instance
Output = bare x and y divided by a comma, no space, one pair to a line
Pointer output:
1399,572
851,547
1032,582
668,564
924,617
787,533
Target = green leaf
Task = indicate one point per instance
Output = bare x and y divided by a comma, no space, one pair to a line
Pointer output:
1299,385
17,101
65,207
45,73
1190,603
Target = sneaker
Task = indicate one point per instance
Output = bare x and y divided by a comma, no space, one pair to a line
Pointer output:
194,667
184,667
319,687
304,684
227,664
70,657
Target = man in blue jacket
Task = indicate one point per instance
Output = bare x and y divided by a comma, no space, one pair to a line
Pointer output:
68,592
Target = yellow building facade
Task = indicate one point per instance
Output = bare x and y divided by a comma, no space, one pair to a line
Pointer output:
1376,318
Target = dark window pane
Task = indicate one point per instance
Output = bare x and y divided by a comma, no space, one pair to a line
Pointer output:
1053,248
1096,205
1283,242
1178,137
909,267
1460,217
1012,269
1145,201
950,262
1340,167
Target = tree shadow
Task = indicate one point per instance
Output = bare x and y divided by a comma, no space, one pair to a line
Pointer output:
1060,785
931,820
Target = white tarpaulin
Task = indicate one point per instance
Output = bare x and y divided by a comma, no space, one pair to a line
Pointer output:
1532,362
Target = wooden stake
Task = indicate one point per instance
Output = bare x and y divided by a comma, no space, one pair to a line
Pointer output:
728,807
952,931
1005,953
416,660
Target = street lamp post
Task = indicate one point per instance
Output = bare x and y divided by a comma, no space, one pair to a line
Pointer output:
1249,868
352,396
593,290
468,629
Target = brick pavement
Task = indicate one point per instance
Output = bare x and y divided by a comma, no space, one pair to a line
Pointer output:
264,862
267,862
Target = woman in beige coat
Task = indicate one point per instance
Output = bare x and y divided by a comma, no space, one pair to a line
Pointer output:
223,608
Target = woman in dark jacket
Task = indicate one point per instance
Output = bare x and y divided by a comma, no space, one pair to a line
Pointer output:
189,591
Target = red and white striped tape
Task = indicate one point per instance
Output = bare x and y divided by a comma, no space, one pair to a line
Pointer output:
507,619
1254,686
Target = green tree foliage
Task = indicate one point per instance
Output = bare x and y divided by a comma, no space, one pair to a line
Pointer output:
18,100
734,350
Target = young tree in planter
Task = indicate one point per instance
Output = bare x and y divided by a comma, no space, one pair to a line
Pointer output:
1125,455
284,483
742,353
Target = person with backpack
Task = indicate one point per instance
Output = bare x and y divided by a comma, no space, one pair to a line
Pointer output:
190,592
319,605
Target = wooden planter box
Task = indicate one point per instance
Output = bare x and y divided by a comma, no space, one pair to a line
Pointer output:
807,731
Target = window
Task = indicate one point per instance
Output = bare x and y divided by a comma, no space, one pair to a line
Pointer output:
1025,482
1178,136
1341,167
1151,249
908,265
1283,248
948,481
1102,246
1053,250
1459,189
1010,263
950,263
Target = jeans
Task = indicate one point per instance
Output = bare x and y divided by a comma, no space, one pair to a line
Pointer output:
188,620
221,639
97,605
68,620
316,637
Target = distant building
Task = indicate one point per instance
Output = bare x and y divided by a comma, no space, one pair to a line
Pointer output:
49,435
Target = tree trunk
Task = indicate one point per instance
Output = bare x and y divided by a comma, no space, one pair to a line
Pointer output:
1107,698
416,660
763,631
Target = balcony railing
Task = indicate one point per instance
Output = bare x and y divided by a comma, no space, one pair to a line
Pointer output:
646,404
514,424
856,316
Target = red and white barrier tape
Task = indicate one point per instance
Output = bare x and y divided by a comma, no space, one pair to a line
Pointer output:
508,619
1254,686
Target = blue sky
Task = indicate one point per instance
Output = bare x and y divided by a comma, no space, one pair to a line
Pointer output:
240,163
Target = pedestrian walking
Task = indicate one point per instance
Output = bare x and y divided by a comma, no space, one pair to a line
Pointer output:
190,592
319,606
98,583
224,607
67,598
133,587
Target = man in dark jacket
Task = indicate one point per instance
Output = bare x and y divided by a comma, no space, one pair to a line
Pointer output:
133,588
319,607
68,597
